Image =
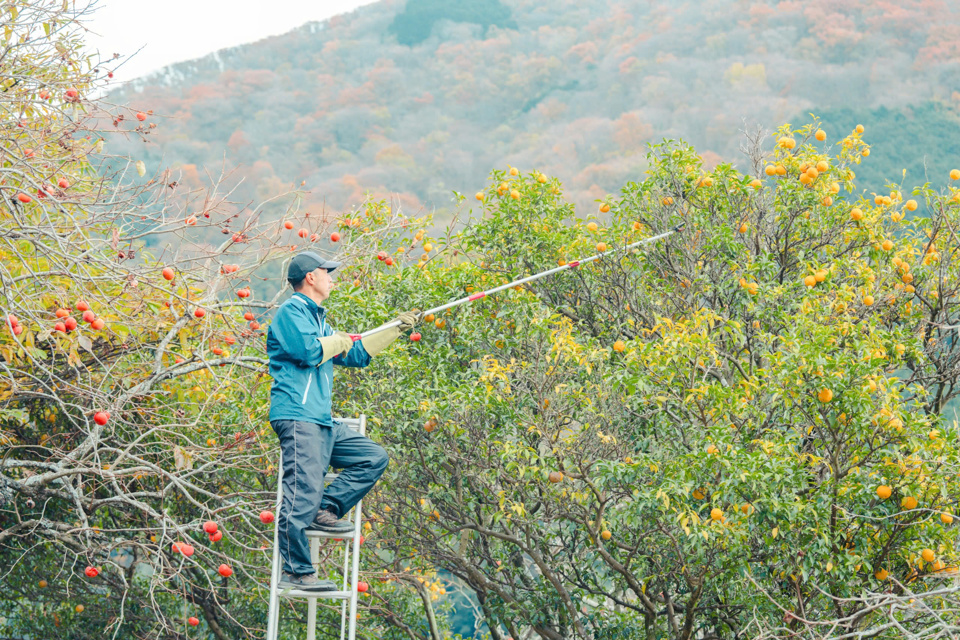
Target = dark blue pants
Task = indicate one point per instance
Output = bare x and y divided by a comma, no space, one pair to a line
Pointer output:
308,449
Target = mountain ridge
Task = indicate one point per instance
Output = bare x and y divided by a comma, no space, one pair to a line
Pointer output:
577,90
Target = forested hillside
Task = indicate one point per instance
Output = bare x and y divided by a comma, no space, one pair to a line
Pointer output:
424,97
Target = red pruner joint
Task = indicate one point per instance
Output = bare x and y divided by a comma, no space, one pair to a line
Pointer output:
574,264
477,296
354,336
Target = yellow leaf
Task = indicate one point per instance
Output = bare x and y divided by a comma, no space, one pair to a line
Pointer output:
141,168
775,532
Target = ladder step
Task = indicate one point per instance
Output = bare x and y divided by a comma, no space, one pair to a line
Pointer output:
324,534
329,595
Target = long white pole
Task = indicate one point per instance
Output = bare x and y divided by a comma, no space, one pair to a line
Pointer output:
536,276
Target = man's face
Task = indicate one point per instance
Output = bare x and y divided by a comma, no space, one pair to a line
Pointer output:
320,283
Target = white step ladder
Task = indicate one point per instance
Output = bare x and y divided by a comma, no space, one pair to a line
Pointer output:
351,564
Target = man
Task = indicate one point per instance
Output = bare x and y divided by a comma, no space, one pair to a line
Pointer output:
302,349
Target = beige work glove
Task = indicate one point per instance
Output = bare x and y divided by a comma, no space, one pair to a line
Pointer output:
379,341
410,319
334,345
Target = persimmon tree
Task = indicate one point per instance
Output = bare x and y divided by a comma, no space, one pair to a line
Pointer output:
132,403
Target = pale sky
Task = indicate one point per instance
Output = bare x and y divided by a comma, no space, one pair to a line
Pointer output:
175,30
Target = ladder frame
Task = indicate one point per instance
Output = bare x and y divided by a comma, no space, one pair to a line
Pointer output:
351,562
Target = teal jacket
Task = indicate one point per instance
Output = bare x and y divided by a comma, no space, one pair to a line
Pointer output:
302,387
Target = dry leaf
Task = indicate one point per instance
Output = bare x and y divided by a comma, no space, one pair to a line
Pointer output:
182,458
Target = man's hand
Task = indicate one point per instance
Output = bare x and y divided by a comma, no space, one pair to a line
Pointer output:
379,341
336,344
345,340
410,319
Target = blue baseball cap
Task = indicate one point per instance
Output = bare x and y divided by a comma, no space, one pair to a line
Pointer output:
305,262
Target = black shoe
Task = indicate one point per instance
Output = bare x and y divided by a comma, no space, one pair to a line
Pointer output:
305,582
327,522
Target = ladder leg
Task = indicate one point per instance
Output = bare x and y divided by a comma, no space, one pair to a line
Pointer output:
346,586
273,621
343,619
355,569
312,602
355,572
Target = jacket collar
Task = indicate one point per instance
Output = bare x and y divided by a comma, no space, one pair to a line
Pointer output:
313,306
